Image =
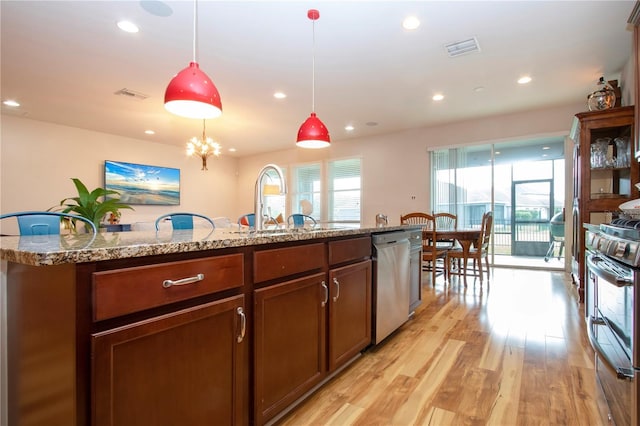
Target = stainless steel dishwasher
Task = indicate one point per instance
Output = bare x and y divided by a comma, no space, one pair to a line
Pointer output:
391,282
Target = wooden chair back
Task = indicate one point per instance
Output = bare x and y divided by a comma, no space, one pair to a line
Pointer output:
428,224
446,220
485,235
430,252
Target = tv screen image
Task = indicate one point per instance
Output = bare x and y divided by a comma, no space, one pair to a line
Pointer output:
143,184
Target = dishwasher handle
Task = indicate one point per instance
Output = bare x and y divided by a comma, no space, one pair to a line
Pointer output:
389,238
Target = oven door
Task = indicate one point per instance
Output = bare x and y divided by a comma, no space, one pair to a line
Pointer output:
617,379
610,333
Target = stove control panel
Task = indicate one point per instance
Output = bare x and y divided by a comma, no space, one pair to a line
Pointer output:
623,249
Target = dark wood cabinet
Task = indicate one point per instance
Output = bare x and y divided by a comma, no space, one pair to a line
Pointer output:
232,336
306,328
290,335
634,19
349,312
181,368
601,182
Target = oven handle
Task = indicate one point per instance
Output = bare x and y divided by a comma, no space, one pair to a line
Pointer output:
621,373
618,281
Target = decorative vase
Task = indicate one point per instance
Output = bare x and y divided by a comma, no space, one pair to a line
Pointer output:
623,152
604,97
599,153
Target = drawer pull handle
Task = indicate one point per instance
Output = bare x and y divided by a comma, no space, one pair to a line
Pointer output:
326,294
243,323
189,280
337,283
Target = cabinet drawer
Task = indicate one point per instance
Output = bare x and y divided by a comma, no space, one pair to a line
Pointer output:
123,291
349,250
276,263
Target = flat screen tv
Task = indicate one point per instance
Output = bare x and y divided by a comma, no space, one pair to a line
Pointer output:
142,184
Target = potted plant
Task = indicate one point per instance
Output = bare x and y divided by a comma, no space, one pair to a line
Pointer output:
88,205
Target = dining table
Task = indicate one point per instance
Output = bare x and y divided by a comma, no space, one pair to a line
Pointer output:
465,237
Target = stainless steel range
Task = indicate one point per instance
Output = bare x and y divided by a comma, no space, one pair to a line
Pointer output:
611,302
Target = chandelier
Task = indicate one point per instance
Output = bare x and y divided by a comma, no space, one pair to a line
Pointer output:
204,147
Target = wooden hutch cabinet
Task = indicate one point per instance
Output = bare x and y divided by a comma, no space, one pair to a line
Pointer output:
604,175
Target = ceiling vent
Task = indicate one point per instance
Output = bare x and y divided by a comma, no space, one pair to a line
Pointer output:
462,47
128,93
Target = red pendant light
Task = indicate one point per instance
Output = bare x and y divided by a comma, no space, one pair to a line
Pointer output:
313,133
191,93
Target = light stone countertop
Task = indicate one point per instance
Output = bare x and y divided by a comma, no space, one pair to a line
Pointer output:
75,248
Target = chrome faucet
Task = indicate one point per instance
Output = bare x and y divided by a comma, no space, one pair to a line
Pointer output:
259,218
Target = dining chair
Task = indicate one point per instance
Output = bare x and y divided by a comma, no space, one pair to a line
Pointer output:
430,251
299,220
45,222
446,220
479,251
248,219
182,220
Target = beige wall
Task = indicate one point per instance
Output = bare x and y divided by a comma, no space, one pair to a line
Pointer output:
396,166
38,160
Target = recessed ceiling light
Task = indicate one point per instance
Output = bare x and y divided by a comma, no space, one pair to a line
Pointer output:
546,147
524,79
279,95
11,103
497,153
478,89
150,132
128,27
232,150
349,128
410,23
438,97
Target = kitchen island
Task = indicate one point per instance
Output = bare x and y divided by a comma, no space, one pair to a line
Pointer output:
181,327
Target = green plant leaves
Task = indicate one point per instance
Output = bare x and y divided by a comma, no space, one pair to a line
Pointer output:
87,204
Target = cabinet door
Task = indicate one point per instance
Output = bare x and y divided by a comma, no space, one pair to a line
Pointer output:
349,312
290,335
183,368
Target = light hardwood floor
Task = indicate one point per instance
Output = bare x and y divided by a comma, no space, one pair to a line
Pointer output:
512,352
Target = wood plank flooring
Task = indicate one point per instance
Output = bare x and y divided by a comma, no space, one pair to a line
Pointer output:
510,352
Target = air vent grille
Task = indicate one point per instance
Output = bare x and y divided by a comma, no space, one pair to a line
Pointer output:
462,47
128,93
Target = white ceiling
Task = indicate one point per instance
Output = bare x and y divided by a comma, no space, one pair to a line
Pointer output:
63,61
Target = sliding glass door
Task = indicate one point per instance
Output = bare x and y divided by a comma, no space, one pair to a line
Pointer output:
522,183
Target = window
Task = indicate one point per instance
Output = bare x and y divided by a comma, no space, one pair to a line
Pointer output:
344,190
306,184
333,189
274,203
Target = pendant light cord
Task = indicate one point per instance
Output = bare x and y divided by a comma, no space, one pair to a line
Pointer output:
195,29
313,68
